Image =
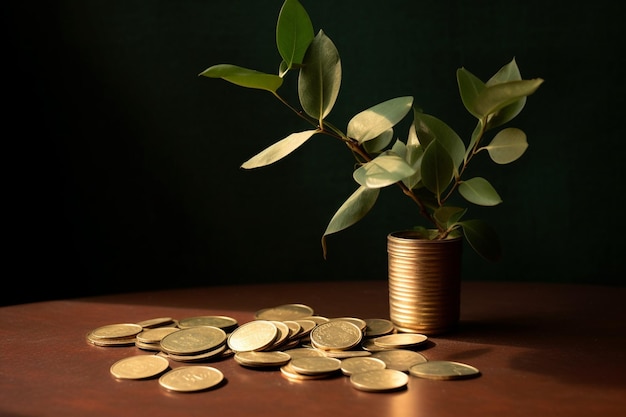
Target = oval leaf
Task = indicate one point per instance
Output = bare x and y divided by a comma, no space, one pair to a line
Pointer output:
482,238
351,211
470,87
386,169
294,33
320,77
278,150
379,143
430,128
507,146
372,122
496,97
244,77
437,168
478,191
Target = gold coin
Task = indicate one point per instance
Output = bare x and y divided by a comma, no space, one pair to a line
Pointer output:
254,335
336,335
262,359
218,351
400,340
156,322
378,327
122,341
294,328
443,370
370,346
399,359
191,378
360,323
288,372
303,352
193,340
155,335
344,354
283,334
317,319
284,312
306,325
139,367
379,380
225,323
116,331
315,365
356,365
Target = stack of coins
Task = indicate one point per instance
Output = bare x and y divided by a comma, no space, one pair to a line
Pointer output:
150,339
121,334
194,343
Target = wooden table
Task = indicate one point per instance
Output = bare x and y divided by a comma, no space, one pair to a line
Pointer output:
543,350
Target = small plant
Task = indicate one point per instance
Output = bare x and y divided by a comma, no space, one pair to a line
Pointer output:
428,166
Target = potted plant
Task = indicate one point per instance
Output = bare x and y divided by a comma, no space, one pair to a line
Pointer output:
428,165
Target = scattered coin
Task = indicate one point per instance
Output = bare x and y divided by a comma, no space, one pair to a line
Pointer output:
315,365
191,378
356,365
254,335
443,370
369,345
284,312
360,323
156,322
303,352
401,340
139,367
225,323
399,359
288,372
378,327
155,335
379,380
262,359
218,352
116,331
193,341
121,341
336,335
344,354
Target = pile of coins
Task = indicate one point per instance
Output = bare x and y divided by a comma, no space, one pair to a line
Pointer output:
289,337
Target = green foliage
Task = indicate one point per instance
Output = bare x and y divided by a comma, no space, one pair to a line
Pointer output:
428,167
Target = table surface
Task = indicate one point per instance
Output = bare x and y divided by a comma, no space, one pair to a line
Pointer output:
542,349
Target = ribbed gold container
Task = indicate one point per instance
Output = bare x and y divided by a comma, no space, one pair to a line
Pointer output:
424,282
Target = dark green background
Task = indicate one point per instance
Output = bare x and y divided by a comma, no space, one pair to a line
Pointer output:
123,164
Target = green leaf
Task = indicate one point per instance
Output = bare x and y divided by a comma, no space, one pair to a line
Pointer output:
496,97
470,87
244,77
384,170
478,191
448,215
351,211
320,77
413,156
430,128
372,122
279,150
294,33
437,168
482,238
379,143
509,72
507,146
